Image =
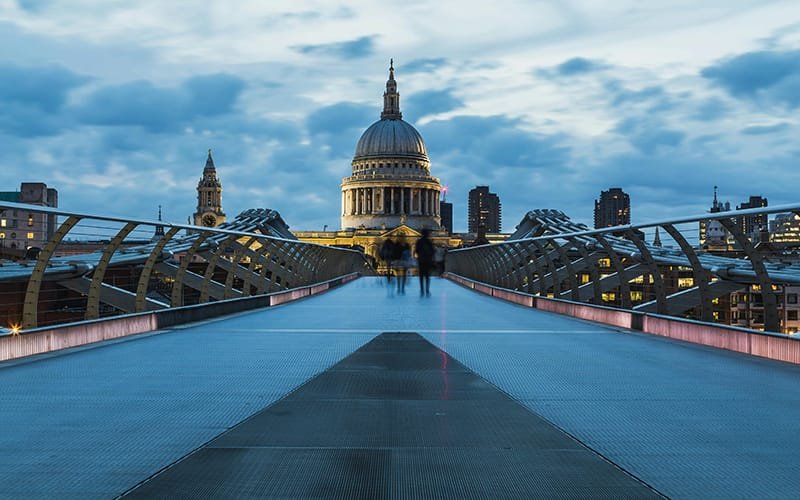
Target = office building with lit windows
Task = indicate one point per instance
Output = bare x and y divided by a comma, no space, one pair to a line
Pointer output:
20,229
612,209
752,224
785,229
484,210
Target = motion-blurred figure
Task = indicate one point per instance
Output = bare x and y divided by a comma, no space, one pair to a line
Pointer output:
402,264
438,259
425,254
386,253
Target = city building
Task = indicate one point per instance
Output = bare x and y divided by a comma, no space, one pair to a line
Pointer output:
484,209
19,229
785,229
712,235
209,197
159,231
752,224
612,209
446,211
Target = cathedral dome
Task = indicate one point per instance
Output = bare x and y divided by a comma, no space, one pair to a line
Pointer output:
390,138
391,185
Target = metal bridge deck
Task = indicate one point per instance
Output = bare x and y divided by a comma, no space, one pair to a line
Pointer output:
689,421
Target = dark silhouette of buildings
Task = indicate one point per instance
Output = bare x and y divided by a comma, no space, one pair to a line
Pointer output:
20,229
612,209
484,210
446,212
752,224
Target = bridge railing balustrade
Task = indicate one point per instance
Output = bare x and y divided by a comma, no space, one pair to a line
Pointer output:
703,267
59,267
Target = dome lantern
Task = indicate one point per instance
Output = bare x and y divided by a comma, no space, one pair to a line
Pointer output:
391,99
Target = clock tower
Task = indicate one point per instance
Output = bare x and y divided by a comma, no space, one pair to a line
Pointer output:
209,197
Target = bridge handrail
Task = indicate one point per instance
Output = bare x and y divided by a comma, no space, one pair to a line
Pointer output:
545,264
249,256
146,222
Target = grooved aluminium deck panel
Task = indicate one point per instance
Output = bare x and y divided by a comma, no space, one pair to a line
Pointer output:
375,427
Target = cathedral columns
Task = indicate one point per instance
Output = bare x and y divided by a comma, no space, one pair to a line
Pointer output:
427,202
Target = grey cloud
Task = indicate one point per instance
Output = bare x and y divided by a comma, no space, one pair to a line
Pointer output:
33,5
649,135
142,103
765,129
770,76
621,95
576,66
425,65
710,109
45,87
342,115
430,102
336,128
494,140
33,99
350,49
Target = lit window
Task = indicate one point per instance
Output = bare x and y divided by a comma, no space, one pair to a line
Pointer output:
30,236
637,296
30,220
609,297
2,236
605,262
3,223
685,282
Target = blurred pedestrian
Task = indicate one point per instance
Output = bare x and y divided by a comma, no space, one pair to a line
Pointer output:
438,260
402,264
425,254
386,253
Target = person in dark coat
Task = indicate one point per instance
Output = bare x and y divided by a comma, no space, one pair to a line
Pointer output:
425,253
386,254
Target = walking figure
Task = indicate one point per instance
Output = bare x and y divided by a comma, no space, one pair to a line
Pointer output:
386,253
425,254
403,251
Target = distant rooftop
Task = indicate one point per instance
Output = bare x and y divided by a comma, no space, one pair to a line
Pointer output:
11,196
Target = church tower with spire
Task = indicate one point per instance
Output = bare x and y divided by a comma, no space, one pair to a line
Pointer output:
209,197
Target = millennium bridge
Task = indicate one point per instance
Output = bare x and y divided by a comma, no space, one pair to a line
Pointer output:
148,359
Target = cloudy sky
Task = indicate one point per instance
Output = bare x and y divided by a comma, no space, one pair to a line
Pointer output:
114,103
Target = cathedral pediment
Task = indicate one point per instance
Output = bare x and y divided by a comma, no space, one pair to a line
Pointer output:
403,231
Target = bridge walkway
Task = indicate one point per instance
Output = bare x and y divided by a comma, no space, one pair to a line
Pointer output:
686,420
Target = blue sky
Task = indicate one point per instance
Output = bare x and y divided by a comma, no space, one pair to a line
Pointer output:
548,102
